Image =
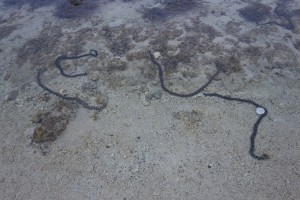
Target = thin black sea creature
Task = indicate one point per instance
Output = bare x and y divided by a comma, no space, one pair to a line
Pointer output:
84,104
228,98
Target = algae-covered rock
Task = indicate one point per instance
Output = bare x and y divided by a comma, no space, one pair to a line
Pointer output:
53,122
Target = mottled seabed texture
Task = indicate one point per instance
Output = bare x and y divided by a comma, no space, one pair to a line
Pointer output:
150,99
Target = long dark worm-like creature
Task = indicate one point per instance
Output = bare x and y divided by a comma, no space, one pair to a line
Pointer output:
228,98
84,104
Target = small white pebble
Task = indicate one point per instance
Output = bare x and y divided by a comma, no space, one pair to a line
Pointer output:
136,168
63,91
94,77
260,110
156,55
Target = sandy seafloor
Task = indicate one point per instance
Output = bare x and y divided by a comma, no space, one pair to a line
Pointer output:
145,143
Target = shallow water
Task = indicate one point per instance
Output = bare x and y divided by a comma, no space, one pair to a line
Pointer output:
145,141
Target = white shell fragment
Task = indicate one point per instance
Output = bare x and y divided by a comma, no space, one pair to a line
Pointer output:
63,92
260,110
156,55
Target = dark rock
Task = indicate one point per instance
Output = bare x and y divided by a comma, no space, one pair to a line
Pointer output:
12,95
256,12
5,31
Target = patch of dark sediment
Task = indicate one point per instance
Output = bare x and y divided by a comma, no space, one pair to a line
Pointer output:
63,8
76,8
170,8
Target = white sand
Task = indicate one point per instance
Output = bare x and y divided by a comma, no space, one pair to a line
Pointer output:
139,149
